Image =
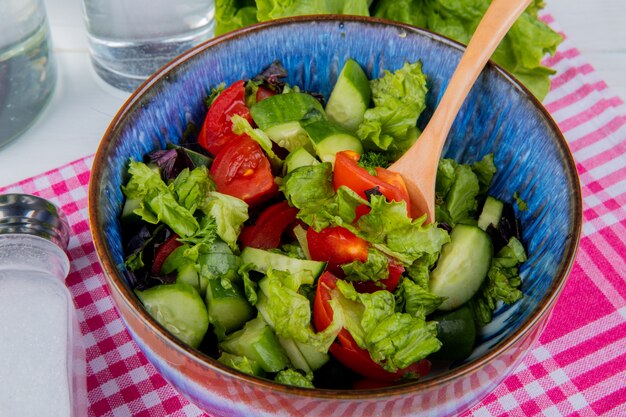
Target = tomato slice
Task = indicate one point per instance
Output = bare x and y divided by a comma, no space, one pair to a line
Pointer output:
163,251
346,349
347,172
390,283
217,129
242,170
336,246
266,232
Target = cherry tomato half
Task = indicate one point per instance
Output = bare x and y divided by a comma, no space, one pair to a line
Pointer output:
242,170
347,172
217,129
337,246
266,232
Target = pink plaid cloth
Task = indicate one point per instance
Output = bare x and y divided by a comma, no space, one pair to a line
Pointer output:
578,366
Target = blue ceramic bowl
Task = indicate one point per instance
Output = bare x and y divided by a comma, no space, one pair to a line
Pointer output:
499,116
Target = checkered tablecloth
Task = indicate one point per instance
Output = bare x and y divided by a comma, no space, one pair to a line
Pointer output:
578,366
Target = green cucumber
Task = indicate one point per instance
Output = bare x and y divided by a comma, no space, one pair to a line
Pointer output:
241,363
258,342
350,97
128,218
189,275
290,135
285,108
228,308
462,266
491,213
299,158
179,308
457,332
329,138
303,271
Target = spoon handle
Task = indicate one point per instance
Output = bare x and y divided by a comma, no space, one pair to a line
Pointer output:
491,30
418,165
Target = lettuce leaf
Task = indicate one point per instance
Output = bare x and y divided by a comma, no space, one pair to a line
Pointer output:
294,378
502,283
229,213
399,98
521,51
388,228
394,340
234,14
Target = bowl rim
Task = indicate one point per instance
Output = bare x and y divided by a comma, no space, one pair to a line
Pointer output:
115,279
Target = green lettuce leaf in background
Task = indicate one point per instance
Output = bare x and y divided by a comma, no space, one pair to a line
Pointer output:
520,53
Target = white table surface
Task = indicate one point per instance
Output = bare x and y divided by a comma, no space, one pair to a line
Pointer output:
82,105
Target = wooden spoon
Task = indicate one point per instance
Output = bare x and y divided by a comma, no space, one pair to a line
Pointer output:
418,166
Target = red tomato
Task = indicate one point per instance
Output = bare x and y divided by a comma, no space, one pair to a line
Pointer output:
346,349
389,283
163,251
217,129
266,232
337,246
242,170
347,172
263,92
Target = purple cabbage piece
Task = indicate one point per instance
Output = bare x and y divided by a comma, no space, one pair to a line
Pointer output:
171,162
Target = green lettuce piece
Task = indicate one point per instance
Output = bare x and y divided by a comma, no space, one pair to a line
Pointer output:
457,188
389,229
394,340
249,286
241,363
294,378
158,200
191,187
234,14
502,283
419,270
375,268
275,9
310,189
484,169
521,51
399,98
415,300
229,213
202,239
289,312
219,262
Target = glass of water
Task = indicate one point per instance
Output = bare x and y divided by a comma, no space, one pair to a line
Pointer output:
131,39
28,71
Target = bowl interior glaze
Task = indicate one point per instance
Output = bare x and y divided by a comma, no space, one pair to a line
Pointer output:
499,116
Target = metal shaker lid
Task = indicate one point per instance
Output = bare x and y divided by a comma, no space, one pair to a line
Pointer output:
29,214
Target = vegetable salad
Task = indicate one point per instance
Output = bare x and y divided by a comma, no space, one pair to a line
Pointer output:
276,240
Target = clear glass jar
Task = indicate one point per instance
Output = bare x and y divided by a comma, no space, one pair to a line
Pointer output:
42,358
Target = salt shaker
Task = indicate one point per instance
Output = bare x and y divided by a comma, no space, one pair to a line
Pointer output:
42,359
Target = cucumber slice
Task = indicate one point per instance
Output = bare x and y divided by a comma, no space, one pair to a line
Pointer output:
491,214
350,97
290,135
228,308
128,218
241,363
457,332
462,266
179,308
189,275
302,271
258,342
299,158
284,108
329,138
